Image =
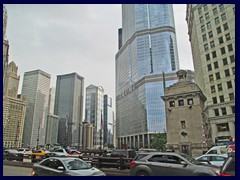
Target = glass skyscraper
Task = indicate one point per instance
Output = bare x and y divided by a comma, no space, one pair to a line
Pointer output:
145,63
69,107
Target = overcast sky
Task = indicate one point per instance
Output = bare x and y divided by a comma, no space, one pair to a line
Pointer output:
61,39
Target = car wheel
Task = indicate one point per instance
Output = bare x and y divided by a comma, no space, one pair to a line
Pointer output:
142,173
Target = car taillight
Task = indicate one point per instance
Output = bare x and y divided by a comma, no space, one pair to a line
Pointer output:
33,172
132,164
221,174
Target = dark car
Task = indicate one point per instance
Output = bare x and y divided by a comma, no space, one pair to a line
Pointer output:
228,167
12,154
65,166
170,164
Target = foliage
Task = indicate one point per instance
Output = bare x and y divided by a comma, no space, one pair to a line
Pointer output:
159,141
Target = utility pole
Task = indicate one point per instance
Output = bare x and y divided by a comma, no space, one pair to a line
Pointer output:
38,133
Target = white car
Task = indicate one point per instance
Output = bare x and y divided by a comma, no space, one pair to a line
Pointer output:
214,159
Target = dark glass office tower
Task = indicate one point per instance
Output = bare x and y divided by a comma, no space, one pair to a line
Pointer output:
145,63
69,107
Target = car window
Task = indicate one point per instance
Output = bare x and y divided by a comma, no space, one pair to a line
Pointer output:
45,163
75,164
158,158
173,159
212,152
218,158
205,158
140,156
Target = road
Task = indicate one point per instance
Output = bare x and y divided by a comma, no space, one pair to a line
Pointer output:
9,170
16,171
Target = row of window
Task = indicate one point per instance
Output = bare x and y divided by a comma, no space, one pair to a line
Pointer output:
216,20
224,60
181,102
221,98
220,39
217,75
223,111
226,71
219,29
215,10
222,50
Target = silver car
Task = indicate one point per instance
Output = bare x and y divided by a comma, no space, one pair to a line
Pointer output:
64,166
170,164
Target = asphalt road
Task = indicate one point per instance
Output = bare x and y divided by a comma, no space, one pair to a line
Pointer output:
16,171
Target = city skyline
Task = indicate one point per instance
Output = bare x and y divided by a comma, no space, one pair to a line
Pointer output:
51,33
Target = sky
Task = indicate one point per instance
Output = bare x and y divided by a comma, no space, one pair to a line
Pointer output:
62,39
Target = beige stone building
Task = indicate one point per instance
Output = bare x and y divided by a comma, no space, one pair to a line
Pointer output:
87,130
211,29
187,129
13,109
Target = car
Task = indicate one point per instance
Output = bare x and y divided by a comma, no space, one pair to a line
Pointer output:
230,149
217,150
170,164
213,159
64,166
62,152
24,151
12,154
228,167
47,155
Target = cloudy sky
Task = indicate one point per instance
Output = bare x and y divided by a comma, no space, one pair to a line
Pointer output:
61,39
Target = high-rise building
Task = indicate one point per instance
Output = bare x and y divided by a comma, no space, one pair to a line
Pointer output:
145,64
108,117
13,109
211,29
94,113
69,107
35,87
5,44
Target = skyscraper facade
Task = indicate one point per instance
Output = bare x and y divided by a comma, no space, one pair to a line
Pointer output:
108,117
211,29
69,106
144,67
5,43
13,109
94,113
35,87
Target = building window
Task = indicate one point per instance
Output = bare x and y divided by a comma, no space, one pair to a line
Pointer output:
225,62
204,37
217,20
199,11
212,45
215,11
209,67
223,50
221,98
180,102
209,26
230,48
220,40
207,16
219,30
216,112
222,127
201,19
224,111
190,101
213,89
214,99
227,72
172,104
214,54
216,65
233,70
224,17
203,28
183,124
231,96
205,7
219,87
229,84
232,59
207,57
228,37
233,109
218,76
206,47
211,78
210,34
225,27
221,7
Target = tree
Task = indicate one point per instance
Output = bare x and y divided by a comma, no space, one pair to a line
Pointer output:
159,141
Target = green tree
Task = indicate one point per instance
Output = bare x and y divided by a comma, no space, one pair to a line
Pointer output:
159,141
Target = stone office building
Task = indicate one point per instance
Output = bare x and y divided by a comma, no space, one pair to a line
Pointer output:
187,128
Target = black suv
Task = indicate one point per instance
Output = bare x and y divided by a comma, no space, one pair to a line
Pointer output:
228,167
170,164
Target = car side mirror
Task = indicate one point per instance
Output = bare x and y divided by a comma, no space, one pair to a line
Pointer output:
183,163
61,168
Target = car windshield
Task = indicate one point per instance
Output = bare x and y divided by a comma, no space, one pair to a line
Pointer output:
75,164
190,159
